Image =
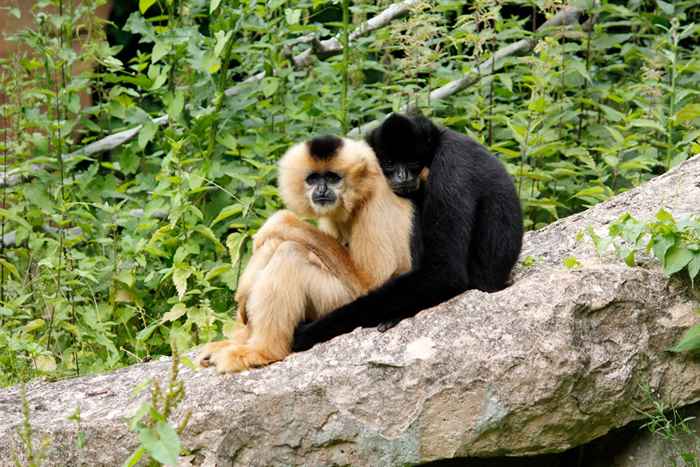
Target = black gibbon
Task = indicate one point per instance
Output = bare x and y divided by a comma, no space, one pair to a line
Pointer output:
471,225
299,272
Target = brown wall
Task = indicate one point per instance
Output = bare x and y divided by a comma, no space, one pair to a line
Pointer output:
9,25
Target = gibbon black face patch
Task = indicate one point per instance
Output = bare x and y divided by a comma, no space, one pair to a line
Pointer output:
324,147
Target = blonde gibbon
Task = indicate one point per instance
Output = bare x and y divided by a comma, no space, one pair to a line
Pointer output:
300,272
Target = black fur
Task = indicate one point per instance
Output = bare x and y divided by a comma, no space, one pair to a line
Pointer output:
324,147
471,228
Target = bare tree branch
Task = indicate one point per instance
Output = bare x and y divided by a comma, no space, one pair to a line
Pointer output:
567,15
333,46
10,239
105,144
12,178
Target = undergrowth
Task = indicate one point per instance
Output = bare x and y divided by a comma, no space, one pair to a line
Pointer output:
108,257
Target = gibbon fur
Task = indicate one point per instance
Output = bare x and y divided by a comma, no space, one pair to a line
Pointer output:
471,225
300,272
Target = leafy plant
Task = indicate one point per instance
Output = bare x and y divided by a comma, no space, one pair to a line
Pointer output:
158,438
676,244
671,426
33,455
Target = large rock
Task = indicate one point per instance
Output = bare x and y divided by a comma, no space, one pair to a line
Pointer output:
552,362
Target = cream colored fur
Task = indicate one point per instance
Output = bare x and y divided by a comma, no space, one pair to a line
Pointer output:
300,272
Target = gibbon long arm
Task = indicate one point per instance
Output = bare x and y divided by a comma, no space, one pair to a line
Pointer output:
471,227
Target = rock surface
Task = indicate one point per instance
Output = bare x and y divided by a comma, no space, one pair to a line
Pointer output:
552,362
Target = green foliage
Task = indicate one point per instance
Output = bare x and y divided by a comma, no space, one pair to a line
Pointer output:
674,429
158,438
675,244
117,254
33,455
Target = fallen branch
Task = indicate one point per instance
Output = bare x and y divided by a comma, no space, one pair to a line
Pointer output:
333,46
567,15
14,177
10,239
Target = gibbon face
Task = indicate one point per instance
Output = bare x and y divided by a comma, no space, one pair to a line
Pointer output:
405,147
323,191
327,176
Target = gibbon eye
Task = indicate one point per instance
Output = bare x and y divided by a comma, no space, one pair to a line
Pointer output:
332,177
313,178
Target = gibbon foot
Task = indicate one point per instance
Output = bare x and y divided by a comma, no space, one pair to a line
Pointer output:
232,358
385,326
204,357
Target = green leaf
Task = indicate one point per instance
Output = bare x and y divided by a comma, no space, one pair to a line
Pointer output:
147,133
689,341
216,271
227,212
292,15
206,232
161,442
15,218
160,50
214,5
677,159
45,363
665,216
34,324
146,332
229,141
694,267
269,85
178,310
126,277
9,267
661,245
617,136
646,123
180,275
134,458
160,79
235,243
506,81
676,259
687,113
145,5
611,114
175,105
571,262
666,7
221,39
592,191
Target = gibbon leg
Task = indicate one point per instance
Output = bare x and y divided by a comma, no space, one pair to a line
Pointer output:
255,266
292,286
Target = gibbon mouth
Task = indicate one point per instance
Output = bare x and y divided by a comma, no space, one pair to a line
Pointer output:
407,187
324,201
